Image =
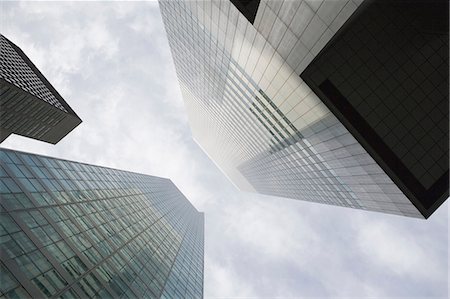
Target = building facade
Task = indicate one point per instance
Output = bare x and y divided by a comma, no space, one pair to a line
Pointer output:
29,105
73,230
252,74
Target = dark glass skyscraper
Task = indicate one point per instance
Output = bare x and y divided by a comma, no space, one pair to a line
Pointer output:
29,105
337,102
74,230
385,76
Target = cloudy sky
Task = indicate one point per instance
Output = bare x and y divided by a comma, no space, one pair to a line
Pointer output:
111,62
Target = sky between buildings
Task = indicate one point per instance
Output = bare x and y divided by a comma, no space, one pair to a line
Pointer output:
112,64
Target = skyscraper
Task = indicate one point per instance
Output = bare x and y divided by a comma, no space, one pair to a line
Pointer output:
336,102
73,230
29,105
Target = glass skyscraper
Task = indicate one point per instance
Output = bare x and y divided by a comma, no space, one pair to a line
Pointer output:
29,105
73,230
264,84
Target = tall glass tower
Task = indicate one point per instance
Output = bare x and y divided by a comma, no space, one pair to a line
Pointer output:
73,230
291,99
29,105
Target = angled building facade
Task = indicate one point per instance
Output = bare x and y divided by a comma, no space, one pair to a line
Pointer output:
73,230
264,84
29,105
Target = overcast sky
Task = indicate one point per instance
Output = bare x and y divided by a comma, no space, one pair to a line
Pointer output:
112,64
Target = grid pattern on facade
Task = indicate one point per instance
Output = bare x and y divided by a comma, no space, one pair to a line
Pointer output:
227,70
15,70
292,173
387,75
248,8
24,115
205,70
29,105
279,118
233,100
395,73
74,230
299,29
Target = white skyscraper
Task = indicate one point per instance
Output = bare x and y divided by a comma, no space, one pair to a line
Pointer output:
258,79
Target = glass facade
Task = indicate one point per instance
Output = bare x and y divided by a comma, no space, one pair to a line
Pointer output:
73,230
19,73
29,105
254,115
386,77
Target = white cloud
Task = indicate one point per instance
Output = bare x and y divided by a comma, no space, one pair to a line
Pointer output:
271,222
226,282
396,252
101,39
